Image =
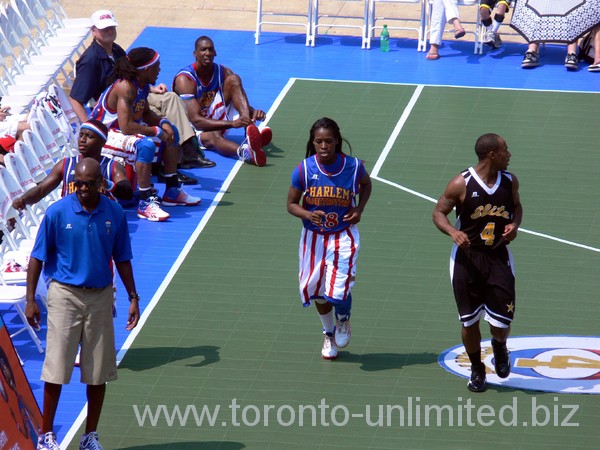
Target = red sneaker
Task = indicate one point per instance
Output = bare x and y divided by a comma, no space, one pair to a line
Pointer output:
253,153
266,135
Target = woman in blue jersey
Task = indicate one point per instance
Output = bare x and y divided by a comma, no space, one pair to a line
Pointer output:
329,192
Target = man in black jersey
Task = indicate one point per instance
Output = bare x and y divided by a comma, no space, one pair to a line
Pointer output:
488,215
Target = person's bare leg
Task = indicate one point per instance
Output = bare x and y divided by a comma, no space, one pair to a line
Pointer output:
171,157
144,174
51,396
597,45
214,140
471,338
95,398
434,52
234,93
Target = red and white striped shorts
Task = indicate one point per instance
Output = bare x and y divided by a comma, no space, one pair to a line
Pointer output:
328,263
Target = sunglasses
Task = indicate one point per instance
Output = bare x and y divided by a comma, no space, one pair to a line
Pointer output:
88,184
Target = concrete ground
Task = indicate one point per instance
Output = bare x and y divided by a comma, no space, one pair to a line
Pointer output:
234,14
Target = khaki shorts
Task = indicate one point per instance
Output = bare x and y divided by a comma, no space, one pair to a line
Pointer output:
80,315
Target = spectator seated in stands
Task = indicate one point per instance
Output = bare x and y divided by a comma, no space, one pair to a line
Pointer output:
92,137
443,10
216,102
595,66
12,125
136,133
532,57
93,70
7,144
492,25
11,129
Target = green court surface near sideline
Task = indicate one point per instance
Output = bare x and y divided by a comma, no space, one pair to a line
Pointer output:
229,342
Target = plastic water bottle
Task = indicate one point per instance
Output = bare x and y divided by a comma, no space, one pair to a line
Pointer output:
385,39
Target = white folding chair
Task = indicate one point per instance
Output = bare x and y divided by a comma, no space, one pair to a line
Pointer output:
281,15
38,147
419,20
17,167
54,8
17,241
18,103
47,41
61,132
40,130
26,49
26,153
355,17
14,258
14,190
71,117
14,297
18,80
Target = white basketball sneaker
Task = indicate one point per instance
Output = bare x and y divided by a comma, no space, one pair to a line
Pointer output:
329,350
342,333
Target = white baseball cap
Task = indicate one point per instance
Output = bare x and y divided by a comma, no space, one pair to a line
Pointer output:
103,19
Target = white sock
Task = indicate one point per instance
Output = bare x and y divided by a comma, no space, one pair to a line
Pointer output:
496,26
342,318
327,321
240,151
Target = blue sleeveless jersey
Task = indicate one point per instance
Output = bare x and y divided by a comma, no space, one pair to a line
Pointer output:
205,93
331,189
109,117
107,167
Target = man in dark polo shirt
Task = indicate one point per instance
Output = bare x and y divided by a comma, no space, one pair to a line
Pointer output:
96,63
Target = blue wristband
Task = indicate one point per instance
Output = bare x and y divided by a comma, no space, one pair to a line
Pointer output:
158,131
163,121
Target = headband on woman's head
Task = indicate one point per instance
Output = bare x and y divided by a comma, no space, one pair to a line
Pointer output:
153,61
93,127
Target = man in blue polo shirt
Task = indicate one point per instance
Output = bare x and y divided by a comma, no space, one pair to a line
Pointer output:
78,237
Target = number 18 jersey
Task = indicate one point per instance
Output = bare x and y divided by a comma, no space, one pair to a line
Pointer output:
331,189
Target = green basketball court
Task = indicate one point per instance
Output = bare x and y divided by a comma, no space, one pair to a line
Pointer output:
230,344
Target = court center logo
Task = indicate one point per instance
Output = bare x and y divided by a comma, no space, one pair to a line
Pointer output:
565,364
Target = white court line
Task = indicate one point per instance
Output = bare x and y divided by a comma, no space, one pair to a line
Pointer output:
459,86
390,143
523,230
184,252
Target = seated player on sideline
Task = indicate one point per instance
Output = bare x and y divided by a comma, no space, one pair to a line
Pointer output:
216,102
92,137
134,131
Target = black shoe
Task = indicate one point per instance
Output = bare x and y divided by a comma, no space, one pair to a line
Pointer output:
477,382
181,178
531,59
571,62
501,359
200,163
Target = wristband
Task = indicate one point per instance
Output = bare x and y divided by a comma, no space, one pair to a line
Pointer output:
158,131
110,186
134,296
163,121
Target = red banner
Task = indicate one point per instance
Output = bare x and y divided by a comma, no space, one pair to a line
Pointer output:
19,412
